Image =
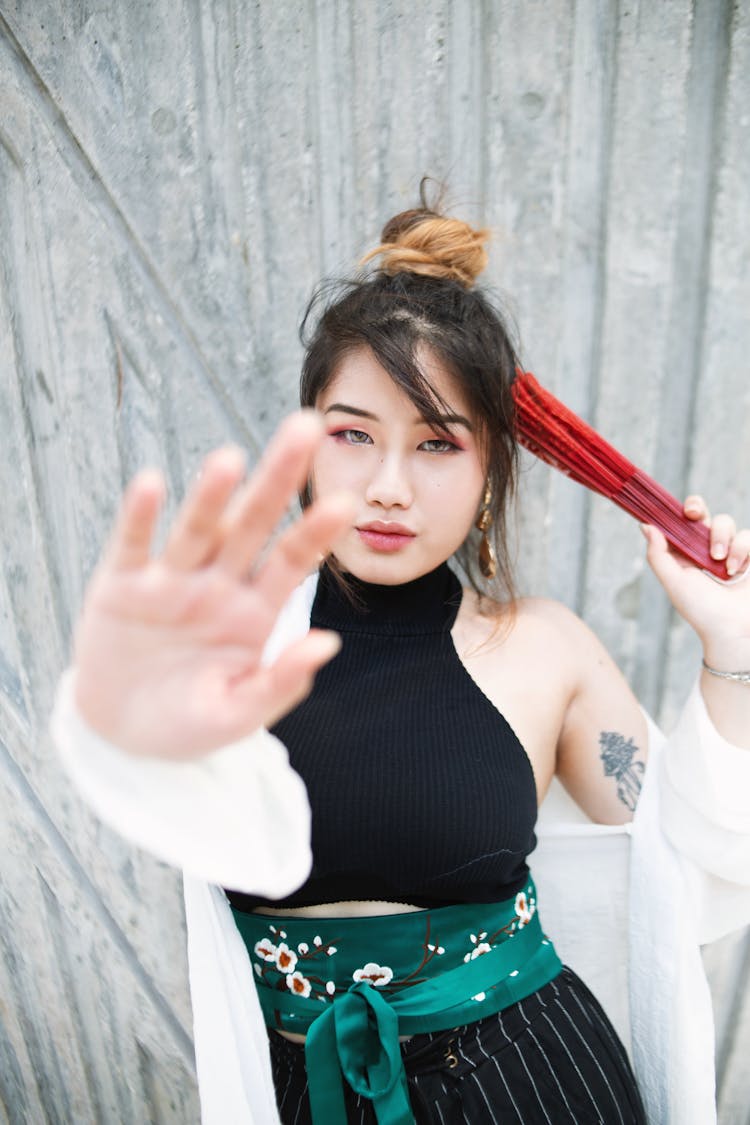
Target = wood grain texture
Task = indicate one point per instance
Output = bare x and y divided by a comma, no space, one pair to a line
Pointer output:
174,179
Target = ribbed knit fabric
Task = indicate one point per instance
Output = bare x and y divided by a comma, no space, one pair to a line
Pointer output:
420,791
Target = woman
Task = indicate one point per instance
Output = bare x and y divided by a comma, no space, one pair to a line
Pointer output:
425,746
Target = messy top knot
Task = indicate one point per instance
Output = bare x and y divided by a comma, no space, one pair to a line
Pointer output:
425,242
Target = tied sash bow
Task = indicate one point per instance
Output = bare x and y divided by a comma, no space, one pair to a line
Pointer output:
356,1036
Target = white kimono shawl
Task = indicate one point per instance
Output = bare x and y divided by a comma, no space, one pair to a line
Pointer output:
627,907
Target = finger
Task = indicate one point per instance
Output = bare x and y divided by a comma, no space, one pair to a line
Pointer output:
695,508
299,549
195,534
275,690
739,552
281,473
723,530
129,545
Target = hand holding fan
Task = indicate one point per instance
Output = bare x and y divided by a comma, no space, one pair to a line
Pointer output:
555,434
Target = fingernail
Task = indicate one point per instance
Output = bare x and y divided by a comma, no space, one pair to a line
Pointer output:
718,550
644,530
732,566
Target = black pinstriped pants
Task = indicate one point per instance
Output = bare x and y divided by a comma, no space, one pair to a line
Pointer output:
553,1058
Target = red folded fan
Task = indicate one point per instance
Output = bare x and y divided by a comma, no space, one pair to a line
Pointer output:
558,436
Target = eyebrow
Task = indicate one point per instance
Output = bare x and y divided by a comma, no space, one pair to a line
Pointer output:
445,419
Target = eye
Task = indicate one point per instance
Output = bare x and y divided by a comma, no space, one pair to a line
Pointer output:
438,445
352,437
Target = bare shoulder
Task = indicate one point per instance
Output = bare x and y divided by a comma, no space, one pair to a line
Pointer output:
559,623
541,628
555,615
526,608
555,682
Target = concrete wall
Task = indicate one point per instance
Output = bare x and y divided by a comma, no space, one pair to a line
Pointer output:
174,177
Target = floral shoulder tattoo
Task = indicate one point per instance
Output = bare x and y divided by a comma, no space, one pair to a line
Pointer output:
618,755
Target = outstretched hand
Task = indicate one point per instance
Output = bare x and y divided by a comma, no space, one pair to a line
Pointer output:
718,611
168,647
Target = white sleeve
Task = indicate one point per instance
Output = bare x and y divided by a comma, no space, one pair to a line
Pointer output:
705,812
239,817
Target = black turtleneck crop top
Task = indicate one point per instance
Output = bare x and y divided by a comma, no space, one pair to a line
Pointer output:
420,791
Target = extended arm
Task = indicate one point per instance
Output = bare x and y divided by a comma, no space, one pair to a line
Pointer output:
159,722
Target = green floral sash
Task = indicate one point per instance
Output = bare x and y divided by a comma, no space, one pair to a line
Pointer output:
354,985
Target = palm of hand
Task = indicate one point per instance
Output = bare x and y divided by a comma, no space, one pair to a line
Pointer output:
168,649
176,650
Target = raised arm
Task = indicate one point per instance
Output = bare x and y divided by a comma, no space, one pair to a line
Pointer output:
159,720
603,744
719,613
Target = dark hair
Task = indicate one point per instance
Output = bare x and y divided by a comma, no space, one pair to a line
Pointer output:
417,300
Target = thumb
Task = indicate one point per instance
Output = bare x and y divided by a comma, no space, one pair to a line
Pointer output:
290,678
662,562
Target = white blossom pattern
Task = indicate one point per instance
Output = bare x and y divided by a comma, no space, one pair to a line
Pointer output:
525,909
374,974
298,984
286,958
265,949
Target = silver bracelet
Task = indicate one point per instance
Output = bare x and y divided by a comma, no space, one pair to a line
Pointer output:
738,677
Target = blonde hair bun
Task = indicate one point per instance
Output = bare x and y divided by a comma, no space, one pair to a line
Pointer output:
424,242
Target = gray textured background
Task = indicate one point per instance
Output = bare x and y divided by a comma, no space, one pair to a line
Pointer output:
174,177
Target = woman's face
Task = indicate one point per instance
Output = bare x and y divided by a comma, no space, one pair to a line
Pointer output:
417,489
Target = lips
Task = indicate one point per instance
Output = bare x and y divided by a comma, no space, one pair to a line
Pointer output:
385,536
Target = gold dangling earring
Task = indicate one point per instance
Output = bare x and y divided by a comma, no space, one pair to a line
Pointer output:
487,560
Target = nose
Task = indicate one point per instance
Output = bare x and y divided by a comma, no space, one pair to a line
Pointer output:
390,486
